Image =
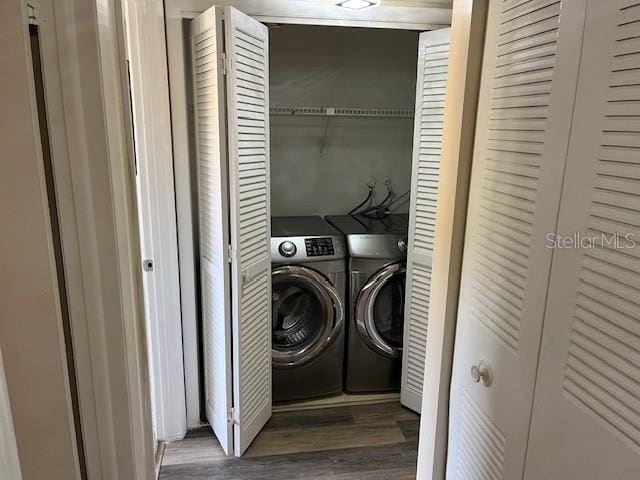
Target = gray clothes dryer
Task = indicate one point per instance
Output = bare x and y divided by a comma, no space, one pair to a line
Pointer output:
377,272
308,258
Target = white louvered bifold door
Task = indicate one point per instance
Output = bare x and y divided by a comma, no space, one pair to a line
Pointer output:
586,416
247,47
209,100
433,59
527,92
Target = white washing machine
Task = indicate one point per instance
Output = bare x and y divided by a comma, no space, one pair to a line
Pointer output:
308,258
377,272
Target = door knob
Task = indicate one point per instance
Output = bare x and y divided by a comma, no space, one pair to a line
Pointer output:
483,372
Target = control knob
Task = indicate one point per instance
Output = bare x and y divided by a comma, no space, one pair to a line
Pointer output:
287,249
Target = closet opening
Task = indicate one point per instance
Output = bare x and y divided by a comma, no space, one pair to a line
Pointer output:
341,119
311,160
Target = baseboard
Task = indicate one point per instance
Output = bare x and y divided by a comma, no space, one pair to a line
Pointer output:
341,400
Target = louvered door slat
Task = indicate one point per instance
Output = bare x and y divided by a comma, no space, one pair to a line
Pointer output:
528,84
588,389
248,106
433,54
206,44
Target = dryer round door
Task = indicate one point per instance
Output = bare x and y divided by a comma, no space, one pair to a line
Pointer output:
379,310
308,314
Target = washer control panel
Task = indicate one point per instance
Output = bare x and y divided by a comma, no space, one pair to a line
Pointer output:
306,249
319,246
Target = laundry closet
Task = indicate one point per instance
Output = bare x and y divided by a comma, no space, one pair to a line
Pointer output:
309,160
333,154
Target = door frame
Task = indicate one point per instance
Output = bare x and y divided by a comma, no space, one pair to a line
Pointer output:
468,29
86,95
283,11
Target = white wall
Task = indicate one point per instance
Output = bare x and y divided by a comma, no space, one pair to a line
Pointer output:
339,67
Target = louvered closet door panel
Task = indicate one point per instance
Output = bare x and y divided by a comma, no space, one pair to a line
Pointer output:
248,124
206,50
527,91
586,418
433,59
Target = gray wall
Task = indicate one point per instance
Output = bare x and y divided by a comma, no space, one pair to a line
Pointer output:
339,67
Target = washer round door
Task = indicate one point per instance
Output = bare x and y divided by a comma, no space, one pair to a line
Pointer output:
379,310
308,314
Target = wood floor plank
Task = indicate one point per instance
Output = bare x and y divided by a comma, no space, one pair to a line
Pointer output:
372,462
199,449
324,438
319,417
404,473
410,429
204,431
381,412
368,442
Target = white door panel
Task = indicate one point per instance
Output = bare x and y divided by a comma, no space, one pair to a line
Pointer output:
209,99
586,416
233,171
247,49
157,221
524,117
433,59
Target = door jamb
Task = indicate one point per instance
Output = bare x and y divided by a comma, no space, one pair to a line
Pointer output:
468,31
91,149
460,111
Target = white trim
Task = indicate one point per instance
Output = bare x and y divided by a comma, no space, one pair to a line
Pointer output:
185,210
465,60
306,12
60,153
9,461
157,215
136,448
94,183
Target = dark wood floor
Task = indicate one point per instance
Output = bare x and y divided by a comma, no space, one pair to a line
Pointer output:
372,442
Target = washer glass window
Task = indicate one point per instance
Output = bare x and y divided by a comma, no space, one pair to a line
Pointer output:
388,310
298,315
307,315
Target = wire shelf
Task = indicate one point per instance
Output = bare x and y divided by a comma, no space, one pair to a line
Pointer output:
342,112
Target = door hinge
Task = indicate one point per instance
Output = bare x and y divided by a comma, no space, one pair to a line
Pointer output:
231,417
31,14
229,253
225,63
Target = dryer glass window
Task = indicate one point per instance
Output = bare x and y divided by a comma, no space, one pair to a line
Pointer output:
298,316
388,310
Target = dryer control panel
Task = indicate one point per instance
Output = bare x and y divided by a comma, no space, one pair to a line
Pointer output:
319,246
